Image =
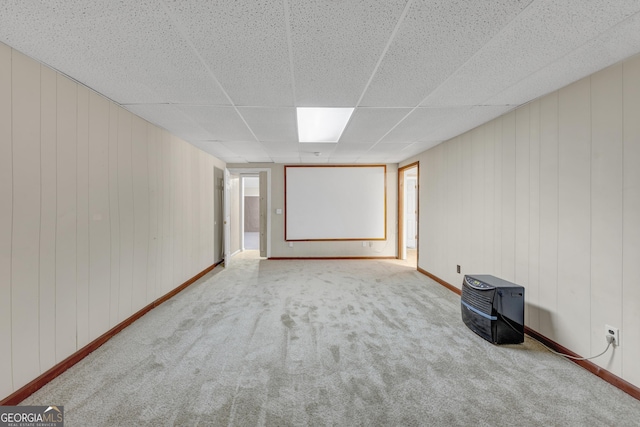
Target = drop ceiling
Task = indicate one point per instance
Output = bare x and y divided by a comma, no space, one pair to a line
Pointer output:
227,75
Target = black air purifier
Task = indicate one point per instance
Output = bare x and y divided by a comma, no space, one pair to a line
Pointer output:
493,308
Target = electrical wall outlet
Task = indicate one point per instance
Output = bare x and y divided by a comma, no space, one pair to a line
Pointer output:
458,269
613,332
364,244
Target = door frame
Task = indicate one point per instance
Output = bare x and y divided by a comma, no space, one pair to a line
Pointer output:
256,171
401,203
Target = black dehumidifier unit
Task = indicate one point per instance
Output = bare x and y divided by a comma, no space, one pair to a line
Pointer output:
493,308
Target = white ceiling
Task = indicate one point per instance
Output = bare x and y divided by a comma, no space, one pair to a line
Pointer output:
227,75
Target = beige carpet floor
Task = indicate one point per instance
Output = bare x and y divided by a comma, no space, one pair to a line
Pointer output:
340,343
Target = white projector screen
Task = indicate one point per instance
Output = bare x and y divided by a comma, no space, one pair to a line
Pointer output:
335,202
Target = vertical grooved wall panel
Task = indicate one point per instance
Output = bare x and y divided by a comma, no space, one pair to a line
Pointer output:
152,290
477,200
99,217
47,254
548,292
574,218
630,332
66,197
6,216
606,208
489,204
508,196
125,214
522,205
140,174
532,295
25,239
114,217
82,233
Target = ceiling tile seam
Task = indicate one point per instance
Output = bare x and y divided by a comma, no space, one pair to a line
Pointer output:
461,67
287,22
454,73
392,36
183,34
549,64
469,107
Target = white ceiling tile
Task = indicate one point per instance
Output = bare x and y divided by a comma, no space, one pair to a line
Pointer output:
619,42
436,38
417,148
368,125
128,51
352,149
336,45
309,149
466,120
214,148
343,158
388,148
172,119
271,124
286,160
312,159
281,149
223,123
421,122
244,44
544,33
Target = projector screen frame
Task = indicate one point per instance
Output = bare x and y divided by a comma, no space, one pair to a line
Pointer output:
287,236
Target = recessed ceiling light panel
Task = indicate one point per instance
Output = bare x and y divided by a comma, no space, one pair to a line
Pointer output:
322,124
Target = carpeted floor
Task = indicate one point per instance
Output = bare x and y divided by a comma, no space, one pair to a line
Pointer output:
345,343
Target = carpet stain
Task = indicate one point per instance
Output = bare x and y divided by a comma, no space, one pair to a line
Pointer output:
335,352
287,321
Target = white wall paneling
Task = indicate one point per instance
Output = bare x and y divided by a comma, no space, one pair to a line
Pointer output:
47,256
6,216
508,196
153,289
522,199
125,204
574,216
114,216
533,287
565,200
606,208
548,292
82,225
99,216
91,200
630,333
25,100
66,218
140,176
168,200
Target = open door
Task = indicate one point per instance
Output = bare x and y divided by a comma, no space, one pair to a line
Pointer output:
263,214
227,218
408,178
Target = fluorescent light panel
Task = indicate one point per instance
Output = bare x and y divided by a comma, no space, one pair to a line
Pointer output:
322,124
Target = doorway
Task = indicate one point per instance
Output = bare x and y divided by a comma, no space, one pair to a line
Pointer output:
408,186
253,196
250,212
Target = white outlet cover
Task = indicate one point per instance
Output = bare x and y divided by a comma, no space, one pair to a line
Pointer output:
610,330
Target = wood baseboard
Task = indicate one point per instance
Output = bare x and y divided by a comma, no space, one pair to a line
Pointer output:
27,390
612,379
330,258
